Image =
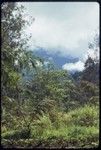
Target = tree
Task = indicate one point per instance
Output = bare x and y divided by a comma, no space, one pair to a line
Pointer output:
87,90
11,26
14,57
91,72
14,54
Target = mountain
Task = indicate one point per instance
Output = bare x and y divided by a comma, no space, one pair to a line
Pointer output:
56,58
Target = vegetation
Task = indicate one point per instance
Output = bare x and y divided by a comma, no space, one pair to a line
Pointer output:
43,106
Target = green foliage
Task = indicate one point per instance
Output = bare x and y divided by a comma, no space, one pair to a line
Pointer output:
88,115
94,100
91,71
87,90
14,55
79,128
16,134
43,106
63,124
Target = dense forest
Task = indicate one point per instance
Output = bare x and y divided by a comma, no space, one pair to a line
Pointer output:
42,105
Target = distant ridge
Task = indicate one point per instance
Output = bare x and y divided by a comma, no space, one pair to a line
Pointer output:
58,60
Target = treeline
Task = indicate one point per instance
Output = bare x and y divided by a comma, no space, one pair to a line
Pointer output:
40,103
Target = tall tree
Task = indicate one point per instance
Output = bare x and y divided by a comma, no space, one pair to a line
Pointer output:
91,72
14,44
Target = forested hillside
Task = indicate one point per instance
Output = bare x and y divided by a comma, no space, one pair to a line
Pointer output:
42,105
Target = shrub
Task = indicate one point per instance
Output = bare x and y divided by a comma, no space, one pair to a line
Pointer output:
85,116
41,125
94,100
83,135
16,134
77,128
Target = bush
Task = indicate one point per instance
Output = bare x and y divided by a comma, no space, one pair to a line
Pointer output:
41,125
85,116
78,128
16,134
94,100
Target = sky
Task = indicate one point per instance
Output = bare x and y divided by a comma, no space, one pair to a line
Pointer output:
63,28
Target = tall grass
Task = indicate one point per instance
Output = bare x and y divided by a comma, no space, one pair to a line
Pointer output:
78,128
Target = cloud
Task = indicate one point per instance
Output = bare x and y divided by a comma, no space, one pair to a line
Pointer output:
65,27
77,66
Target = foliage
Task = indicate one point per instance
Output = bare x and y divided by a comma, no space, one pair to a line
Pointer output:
91,71
78,128
43,106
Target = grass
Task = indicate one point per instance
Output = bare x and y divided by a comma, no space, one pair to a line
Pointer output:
77,128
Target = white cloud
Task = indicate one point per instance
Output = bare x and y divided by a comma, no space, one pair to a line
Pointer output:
66,27
77,66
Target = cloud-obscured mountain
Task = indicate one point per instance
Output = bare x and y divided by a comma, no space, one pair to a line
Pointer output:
56,58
